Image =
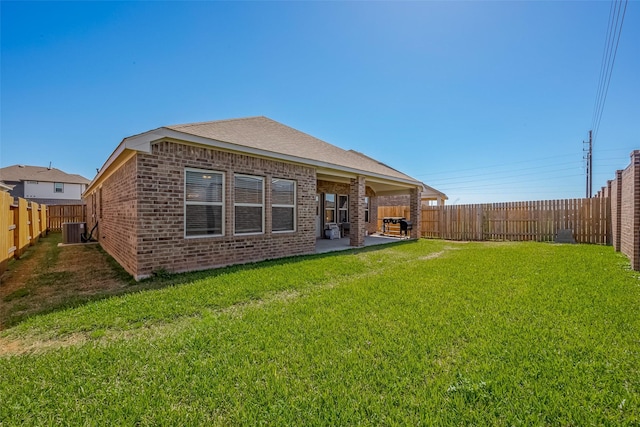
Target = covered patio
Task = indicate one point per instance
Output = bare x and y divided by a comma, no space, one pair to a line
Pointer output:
342,244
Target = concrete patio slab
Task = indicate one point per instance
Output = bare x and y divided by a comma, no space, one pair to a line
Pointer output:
328,245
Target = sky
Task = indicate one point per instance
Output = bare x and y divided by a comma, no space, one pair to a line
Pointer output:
484,101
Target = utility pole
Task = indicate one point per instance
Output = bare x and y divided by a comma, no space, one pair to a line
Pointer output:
588,158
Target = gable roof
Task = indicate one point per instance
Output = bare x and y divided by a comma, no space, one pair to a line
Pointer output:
428,191
263,137
268,135
39,173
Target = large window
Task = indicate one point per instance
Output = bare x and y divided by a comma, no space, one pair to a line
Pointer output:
329,208
204,203
343,208
283,205
58,187
249,204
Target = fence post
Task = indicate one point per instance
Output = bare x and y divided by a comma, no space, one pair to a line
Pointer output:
479,224
22,227
7,229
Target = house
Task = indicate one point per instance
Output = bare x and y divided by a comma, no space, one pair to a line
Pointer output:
429,196
203,195
44,185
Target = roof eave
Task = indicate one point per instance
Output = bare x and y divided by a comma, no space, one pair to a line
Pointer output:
142,143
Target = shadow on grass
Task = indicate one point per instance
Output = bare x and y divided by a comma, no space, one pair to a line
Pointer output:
160,279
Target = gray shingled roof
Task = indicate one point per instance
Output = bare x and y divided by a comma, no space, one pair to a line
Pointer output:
265,134
39,173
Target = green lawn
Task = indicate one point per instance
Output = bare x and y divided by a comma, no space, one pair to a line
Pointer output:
424,333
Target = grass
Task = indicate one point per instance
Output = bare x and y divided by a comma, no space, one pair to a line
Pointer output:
426,333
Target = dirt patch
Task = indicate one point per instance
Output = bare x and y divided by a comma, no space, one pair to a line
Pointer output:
432,256
17,347
49,277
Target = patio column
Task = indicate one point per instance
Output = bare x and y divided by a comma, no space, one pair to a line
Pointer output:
356,207
415,212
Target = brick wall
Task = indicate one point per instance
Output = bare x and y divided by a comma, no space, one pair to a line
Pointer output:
114,206
357,189
630,211
401,200
415,213
160,186
616,201
344,188
625,210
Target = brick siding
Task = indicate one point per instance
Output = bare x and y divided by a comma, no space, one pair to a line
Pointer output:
142,225
344,188
114,207
625,210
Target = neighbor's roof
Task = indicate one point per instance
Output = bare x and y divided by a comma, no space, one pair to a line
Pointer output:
265,134
39,173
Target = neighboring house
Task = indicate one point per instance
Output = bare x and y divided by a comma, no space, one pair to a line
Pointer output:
203,195
40,184
429,196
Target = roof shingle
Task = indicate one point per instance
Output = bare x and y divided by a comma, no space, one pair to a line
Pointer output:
265,134
39,173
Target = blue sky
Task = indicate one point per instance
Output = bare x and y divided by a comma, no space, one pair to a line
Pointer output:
486,101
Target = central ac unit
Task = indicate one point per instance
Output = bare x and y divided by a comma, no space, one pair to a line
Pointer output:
72,231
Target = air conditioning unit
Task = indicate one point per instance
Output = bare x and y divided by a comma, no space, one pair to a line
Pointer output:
72,231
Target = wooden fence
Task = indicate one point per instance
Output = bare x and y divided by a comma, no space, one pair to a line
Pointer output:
59,214
21,224
590,220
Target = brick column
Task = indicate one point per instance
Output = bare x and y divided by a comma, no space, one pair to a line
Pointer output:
609,224
415,212
356,207
616,210
635,255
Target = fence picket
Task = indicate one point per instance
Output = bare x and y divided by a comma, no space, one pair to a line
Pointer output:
516,221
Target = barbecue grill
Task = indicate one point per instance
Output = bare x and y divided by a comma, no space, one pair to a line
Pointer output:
405,226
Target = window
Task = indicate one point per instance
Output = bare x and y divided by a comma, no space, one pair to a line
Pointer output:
204,203
343,208
329,208
366,209
58,187
249,204
283,205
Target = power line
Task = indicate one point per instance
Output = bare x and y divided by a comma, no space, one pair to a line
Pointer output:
614,30
493,166
491,176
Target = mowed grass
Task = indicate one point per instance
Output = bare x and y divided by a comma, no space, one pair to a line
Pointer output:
424,333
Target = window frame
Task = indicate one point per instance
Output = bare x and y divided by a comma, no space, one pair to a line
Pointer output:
334,208
192,203
367,202
55,187
339,208
236,204
279,205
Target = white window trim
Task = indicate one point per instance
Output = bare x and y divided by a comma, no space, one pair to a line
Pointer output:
294,206
334,208
338,208
261,178
200,236
55,190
